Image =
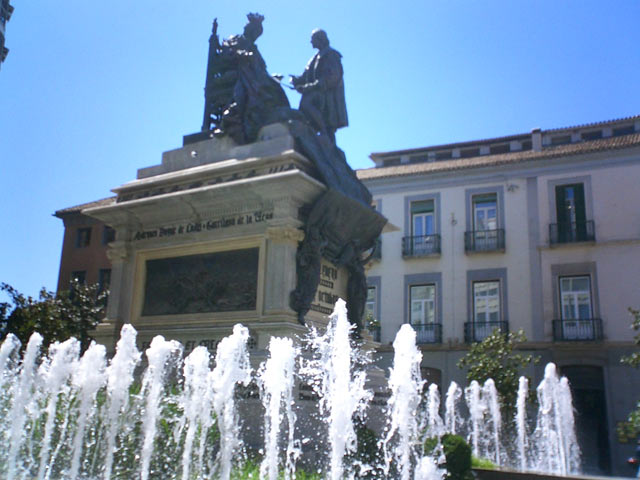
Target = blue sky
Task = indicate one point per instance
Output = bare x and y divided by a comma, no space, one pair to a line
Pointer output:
92,91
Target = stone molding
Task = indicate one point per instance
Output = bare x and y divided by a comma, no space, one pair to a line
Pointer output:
284,234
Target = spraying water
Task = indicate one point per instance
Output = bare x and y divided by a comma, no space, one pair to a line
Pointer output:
521,422
119,380
232,367
71,418
341,390
452,418
406,385
87,380
276,380
158,354
435,424
490,395
196,399
22,396
557,450
55,374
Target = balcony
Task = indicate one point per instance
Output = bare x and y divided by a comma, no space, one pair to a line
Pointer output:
572,232
427,332
421,246
478,331
577,330
484,241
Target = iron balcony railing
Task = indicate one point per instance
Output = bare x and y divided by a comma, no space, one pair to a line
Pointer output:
478,331
428,332
421,245
572,232
484,240
577,330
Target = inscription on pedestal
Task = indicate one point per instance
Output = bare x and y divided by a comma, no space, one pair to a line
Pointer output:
332,286
211,282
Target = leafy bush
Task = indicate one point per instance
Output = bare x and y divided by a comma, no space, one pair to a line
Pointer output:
629,430
494,358
458,457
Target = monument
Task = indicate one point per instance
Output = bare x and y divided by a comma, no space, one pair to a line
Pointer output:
257,218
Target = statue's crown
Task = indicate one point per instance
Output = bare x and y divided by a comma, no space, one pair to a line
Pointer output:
255,17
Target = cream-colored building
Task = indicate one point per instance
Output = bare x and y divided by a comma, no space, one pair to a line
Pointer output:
539,232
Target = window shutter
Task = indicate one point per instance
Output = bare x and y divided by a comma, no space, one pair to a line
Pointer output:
422,207
581,215
561,212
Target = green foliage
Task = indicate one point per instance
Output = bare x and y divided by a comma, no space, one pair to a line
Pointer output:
629,430
634,358
494,358
71,313
483,463
250,470
370,321
458,457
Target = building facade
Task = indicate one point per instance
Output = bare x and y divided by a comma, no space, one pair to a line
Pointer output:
84,247
538,232
5,15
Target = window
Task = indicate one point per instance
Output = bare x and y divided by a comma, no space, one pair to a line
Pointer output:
560,139
486,313
484,233
501,148
625,130
571,215
423,315
576,308
108,235
592,135
469,152
485,208
421,226
80,276
423,306
575,297
104,279
445,155
370,305
83,237
422,218
486,302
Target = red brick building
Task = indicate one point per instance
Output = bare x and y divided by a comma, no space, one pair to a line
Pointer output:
84,247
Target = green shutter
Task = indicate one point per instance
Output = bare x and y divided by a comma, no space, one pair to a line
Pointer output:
561,212
425,206
578,191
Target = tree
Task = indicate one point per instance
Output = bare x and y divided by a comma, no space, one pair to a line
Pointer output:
71,313
627,431
494,358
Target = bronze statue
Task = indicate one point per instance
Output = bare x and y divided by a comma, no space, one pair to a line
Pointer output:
322,88
240,96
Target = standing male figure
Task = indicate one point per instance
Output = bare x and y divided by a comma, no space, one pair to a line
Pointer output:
322,88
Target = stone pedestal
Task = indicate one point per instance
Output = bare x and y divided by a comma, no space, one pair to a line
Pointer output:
208,239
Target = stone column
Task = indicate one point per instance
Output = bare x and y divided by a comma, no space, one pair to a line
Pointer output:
280,280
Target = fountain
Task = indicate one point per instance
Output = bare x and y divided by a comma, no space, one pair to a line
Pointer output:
82,417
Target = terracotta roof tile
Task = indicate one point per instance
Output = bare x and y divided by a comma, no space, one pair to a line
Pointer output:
78,208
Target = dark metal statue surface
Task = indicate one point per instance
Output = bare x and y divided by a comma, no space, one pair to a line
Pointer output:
322,88
241,98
